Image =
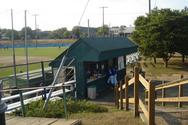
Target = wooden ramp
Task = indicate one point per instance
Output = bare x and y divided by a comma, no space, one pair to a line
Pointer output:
11,120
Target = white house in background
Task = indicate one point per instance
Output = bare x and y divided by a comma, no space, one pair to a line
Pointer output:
114,30
121,31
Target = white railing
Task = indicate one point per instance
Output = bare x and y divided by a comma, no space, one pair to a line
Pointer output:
17,104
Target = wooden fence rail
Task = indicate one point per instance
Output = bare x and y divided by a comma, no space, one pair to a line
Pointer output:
179,99
137,80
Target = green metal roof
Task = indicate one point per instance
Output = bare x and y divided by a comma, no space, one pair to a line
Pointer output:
98,49
109,43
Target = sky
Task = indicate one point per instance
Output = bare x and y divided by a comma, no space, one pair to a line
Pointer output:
54,14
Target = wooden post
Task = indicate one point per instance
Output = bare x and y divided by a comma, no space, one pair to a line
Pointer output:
22,103
146,96
163,95
117,96
64,102
121,96
180,92
136,97
151,104
126,93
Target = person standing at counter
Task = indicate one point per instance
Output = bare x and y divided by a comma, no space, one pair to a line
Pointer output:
112,76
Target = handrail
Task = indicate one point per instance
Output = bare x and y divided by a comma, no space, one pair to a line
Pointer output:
171,99
34,90
137,80
131,81
172,84
68,83
144,82
142,106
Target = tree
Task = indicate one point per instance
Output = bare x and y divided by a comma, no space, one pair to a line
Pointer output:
76,32
66,34
103,31
156,33
58,34
181,37
8,33
30,34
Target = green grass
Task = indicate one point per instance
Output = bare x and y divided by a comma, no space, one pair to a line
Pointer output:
50,52
9,71
175,67
112,117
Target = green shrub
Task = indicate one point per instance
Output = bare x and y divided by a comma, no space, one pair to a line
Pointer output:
56,108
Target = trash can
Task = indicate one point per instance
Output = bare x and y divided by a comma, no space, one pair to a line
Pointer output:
91,92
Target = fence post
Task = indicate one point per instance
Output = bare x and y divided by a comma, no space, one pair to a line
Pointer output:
121,96
163,95
117,95
180,92
126,93
151,104
145,96
3,107
65,102
22,103
136,85
43,80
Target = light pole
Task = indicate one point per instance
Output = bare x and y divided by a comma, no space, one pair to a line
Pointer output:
103,7
26,47
13,49
149,6
35,15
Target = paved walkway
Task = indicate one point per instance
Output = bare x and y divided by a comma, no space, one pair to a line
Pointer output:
12,120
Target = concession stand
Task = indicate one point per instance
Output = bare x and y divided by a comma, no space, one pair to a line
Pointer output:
93,58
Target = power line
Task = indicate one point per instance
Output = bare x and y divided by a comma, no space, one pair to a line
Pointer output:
83,12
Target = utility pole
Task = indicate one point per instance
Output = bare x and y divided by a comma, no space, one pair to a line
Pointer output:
13,49
149,6
88,29
35,15
103,7
26,48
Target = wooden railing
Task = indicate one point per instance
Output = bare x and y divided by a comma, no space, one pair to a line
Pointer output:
137,80
179,99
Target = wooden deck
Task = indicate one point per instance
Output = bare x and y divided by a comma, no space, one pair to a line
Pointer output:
12,120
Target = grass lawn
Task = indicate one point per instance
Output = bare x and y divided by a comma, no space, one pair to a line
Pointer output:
175,66
50,52
112,117
89,113
9,71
